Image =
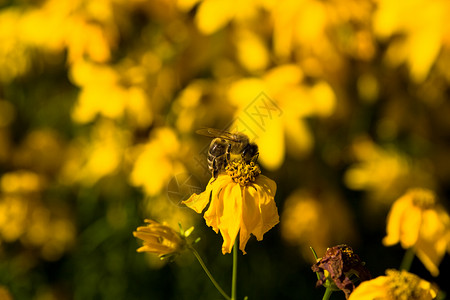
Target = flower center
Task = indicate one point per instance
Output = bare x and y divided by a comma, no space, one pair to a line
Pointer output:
422,198
242,172
404,286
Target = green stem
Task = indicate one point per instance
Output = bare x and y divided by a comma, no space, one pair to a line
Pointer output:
209,273
407,259
327,294
317,259
234,276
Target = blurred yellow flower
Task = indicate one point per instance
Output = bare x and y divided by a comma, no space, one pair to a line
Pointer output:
396,285
103,94
299,22
85,38
213,15
18,191
317,221
384,172
15,57
322,31
42,150
156,162
4,293
51,229
25,218
21,181
272,110
159,239
251,50
423,26
189,107
416,220
242,201
90,159
12,217
370,172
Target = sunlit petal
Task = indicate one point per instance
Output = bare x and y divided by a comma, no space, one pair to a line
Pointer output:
393,222
369,290
410,227
272,145
232,211
213,15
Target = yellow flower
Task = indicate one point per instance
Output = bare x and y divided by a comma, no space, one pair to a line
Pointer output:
161,153
419,49
242,201
397,285
100,155
4,293
417,221
160,239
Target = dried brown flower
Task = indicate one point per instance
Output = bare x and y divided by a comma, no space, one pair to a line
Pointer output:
338,267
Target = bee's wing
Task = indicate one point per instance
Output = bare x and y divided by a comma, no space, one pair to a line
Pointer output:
212,132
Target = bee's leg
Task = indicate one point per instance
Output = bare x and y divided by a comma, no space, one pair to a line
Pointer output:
228,152
219,164
215,177
214,170
255,157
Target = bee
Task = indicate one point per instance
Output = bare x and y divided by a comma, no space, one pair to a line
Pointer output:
225,146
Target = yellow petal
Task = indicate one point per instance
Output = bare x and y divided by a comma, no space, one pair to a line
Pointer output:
230,221
215,210
251,50
432,243
259,212
145,236
271,144
429,258
394,221
298,136
267,206
156,248
410,227
213,15
370,290
251,216
199,202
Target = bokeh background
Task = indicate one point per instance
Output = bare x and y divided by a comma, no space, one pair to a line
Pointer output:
100,101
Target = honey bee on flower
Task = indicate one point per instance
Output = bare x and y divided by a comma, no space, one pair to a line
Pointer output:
241,199
225,145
